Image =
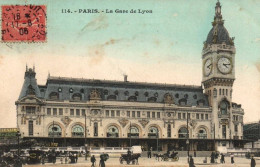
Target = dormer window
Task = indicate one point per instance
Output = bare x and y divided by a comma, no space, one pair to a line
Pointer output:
194,96
152,99
156,94
132,98
81,90
59,89
77,97
183,102
54,96
105,92
177,95
201,102
126,93
116,92
136,93
146,94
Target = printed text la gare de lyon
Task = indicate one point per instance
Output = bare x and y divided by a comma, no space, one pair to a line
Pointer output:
140,11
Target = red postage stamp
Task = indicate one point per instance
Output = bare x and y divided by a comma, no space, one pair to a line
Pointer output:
24,23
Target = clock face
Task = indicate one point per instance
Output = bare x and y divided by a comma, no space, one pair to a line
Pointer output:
208,67
224,65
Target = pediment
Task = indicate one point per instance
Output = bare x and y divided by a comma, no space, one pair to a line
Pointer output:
30,99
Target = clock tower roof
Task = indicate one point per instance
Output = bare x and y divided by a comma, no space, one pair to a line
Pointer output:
218,34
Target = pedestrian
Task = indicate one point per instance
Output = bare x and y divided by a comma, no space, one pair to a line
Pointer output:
191,162
66,159
76,157
102,162
232,159
212,158
149,153
93,160
253,162
222,159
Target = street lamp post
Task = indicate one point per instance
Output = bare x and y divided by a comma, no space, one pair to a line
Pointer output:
187,142
157,142
18,142
86,150
130,135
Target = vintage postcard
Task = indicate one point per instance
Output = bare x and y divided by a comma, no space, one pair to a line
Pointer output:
130,82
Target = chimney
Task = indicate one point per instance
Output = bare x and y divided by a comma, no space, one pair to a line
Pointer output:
125,78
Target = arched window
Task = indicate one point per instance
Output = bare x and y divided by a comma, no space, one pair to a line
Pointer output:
77,131
153,132
183,132
226,92
54,131
223,92
202,133
112,131
76,97
132,98
223,107
133,132
219,91
54,96
152,99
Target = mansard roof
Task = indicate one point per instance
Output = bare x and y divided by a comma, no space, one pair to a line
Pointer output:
66,89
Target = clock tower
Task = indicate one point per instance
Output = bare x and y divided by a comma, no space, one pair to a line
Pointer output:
218,71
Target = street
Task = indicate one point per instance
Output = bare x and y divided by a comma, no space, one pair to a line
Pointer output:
144,162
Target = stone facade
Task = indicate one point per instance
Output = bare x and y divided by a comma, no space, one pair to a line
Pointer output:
105,113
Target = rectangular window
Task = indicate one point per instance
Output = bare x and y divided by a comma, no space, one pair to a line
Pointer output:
188,115
60,111
95,129
77,112
179,115
133,114
107,113
30,128
206,116
158,115
71,112
236,128
148,114
54,111
169,134
112,113
48,111
202,116
128,113
138,114
153,114
183,115
197,116
83,112
30,110
118,113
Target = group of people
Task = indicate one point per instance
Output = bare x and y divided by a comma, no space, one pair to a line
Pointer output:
103,158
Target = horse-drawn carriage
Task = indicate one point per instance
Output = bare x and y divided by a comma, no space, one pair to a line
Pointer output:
129,158
167,156
35,156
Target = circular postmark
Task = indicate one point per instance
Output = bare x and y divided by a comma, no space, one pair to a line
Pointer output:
24,23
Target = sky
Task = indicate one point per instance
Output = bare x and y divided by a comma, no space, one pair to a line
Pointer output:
163,46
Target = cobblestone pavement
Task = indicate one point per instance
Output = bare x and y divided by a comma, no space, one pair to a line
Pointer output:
145,162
